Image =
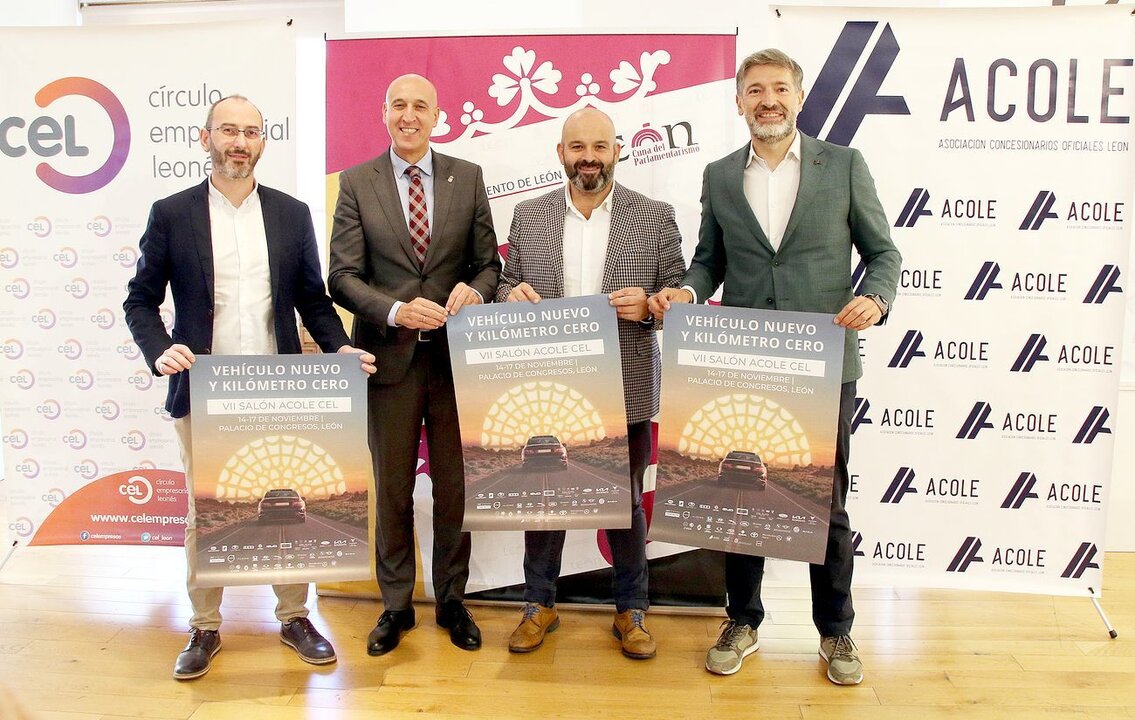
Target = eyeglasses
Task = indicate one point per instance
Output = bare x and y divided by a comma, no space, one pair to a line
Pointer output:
231,131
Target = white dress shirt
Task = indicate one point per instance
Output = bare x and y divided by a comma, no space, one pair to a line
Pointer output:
243,321
585,247
772,193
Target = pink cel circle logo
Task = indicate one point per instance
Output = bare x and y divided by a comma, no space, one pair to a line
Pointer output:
100,226
84,380
67,257
78,288
18,288
127,257
12,349
16,439
104,318
50,409
40,226
135,440
141,379
120,124
44,319
9,258
108,410
75,439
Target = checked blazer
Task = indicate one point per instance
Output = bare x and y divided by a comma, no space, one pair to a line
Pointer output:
644,250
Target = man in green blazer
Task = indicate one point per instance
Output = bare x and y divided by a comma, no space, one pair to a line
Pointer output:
779,220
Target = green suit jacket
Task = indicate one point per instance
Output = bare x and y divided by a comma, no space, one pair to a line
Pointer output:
836,208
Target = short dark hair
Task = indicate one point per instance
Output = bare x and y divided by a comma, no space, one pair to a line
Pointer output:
770,56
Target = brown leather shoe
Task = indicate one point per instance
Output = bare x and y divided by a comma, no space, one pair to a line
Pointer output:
630,628
537,622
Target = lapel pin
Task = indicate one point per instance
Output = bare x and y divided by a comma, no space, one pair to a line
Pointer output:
449,179
817,162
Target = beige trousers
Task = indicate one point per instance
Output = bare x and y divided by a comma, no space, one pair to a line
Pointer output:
291,600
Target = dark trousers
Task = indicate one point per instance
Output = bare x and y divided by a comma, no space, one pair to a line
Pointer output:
831,582
543,549
396,413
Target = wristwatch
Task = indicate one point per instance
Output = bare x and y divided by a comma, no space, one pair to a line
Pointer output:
884,306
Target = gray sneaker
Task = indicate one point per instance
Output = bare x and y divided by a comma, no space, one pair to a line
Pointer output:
736,641
844,666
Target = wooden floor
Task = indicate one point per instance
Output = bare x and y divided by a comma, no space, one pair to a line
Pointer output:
90,632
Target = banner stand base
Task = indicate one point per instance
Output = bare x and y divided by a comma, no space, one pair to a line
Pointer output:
1091,592
8,557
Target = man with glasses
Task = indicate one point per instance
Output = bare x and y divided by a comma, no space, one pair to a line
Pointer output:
412,244
241,261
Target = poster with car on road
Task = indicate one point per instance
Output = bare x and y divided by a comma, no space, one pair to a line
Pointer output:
282,470
543,424
747,430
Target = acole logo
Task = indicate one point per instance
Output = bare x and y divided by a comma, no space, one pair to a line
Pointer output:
863,98
953,211
859,414
902,484
1105,284
1083,560
1075,357
966,555
1080,213
1040,90
1093,426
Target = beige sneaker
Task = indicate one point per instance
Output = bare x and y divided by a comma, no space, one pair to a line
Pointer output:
844,666
630,628
537,622
733,645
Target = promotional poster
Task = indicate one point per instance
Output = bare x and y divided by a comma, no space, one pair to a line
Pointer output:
282,473
543,423
746,440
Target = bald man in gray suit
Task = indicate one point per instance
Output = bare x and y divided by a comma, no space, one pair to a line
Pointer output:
780,218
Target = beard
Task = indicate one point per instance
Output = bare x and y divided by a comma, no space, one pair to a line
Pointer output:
227,168
774,132
591,184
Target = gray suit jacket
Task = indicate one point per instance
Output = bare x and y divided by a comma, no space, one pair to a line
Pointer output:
372,262
644,250
836,208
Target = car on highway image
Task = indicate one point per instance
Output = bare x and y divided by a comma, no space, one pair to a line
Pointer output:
544,450
742,469
281,504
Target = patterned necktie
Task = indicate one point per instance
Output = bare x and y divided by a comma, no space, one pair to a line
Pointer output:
419,220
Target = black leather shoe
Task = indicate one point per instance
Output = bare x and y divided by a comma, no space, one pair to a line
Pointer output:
392,624
463,632
301,636
195,660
